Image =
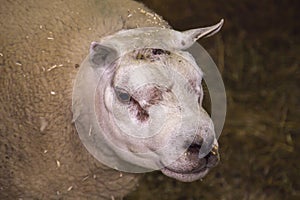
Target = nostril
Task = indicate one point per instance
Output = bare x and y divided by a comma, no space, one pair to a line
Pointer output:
194,148
207,145
212,159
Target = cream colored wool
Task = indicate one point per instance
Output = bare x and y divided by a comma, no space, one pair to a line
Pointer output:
42,44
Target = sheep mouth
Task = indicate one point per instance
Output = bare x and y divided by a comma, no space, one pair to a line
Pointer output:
189,167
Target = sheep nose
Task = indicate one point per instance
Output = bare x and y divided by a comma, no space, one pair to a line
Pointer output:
208,139
205,141
212,157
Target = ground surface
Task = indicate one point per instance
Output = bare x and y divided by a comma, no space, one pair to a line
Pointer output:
258,55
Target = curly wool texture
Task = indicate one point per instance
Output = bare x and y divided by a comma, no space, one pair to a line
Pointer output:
42,45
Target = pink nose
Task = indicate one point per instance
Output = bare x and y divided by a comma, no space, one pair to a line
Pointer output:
212,158
203,141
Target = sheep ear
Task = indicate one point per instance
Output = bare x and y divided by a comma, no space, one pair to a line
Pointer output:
101,56
190,36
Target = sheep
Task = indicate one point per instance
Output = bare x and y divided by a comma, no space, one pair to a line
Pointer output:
43,49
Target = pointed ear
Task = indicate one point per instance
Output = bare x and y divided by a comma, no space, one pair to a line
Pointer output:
101,56
198,33
190,36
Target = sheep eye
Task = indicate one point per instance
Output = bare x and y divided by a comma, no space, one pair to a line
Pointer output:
122,95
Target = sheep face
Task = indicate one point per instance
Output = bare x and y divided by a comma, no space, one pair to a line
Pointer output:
137,103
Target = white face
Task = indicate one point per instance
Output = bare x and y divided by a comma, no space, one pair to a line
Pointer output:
142,108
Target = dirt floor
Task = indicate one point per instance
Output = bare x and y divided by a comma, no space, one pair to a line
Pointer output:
257,52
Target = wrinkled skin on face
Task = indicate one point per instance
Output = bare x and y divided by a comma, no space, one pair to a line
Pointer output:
137,104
